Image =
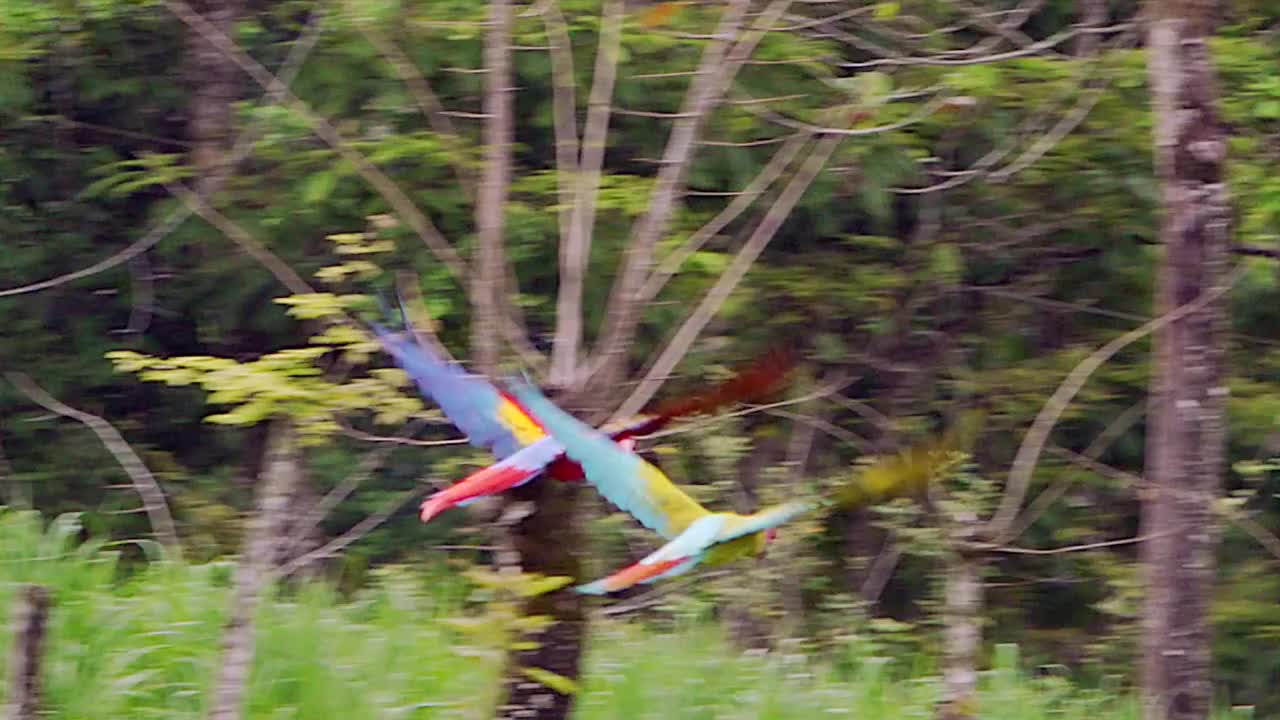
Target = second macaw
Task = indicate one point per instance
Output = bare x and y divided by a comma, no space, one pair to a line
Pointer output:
697,535
634,485
494,420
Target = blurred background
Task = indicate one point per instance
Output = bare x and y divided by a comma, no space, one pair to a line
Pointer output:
1052,224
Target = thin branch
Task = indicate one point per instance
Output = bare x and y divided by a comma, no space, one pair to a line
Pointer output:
1033,442
239,151
142,296
575,248
1255,251
881,570
1070,548
672,263
272,262
143,481
1260,534
721,60
825,426
357,434
728,281
428,102
925,112
389,190
1046,44
369,464
1041,504
1064,127
338,544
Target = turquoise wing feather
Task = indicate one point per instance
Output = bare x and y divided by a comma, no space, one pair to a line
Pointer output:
766,519
624,479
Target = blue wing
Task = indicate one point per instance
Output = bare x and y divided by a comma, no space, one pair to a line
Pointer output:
490,418
738,525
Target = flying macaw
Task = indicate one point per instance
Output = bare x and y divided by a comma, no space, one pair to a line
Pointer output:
696,534
494,420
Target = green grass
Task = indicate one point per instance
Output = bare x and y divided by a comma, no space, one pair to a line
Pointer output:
147,647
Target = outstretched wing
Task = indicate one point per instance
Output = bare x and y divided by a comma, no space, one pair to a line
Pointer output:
624,479
491,419
738,525
753,383
674,558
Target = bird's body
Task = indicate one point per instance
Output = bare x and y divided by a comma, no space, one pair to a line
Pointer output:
696,534
497,421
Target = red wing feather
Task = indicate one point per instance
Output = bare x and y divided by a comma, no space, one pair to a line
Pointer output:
757,381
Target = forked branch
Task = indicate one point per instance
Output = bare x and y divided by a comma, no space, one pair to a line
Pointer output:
144,482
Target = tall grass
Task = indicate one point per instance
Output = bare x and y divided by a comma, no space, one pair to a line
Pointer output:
146,646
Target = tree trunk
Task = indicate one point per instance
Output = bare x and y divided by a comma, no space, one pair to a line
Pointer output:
30,619
1186,439
215,85
489,267
962,615
544,540
266,533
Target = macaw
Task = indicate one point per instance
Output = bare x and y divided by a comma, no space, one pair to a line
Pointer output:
494,420
696,535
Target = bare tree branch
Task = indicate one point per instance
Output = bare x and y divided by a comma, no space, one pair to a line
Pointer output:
359,530
575,248
488,291
1024,463
840,382
143,481
764,232
1069,548
368,465
1046,499
671,264
720,62
391,192
427,101
272,262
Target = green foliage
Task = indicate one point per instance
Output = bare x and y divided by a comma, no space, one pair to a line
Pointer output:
931,301
148,646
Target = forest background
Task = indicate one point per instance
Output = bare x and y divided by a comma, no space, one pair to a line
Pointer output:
943,205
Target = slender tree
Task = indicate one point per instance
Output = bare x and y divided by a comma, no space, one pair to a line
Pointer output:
1186,435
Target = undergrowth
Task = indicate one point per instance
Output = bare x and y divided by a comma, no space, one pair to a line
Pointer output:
145,644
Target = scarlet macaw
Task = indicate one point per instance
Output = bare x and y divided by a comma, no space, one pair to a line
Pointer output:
495,420
696,534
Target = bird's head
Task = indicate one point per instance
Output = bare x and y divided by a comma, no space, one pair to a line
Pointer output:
765,538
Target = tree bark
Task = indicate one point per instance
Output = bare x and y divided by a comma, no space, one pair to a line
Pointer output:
543,540
489,267
215,85
30,619
962,617
266,534
1186,438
